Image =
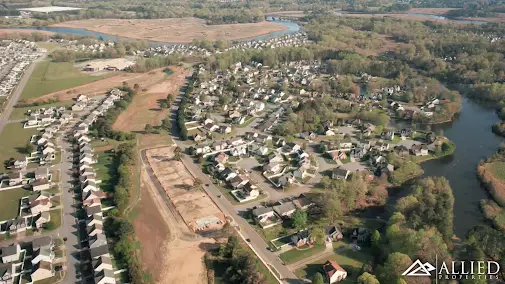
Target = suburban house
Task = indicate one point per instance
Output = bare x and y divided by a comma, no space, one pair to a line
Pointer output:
265,217
101,263
286,179
43,218
42,270
360,234
419,150
334,272
333,232
285,209
301,238
339,173
10,253
105,276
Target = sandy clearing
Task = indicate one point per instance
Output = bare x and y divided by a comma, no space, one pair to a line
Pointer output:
144,108
164,254
173,30
193,205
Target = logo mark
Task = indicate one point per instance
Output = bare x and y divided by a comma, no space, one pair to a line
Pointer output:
419,269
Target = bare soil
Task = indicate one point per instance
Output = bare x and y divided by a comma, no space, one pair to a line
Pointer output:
169,251
432,11
193,205
173,30
145,108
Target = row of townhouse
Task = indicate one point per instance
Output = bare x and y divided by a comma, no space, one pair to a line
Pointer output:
14,268
91,196
15,57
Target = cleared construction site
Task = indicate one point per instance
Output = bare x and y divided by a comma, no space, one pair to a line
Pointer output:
195,207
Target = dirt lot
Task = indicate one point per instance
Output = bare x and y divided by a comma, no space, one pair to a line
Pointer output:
432,11
170,252
173,30
195,206
144,108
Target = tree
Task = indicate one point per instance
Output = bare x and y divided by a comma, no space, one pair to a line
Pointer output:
164,104
29,148
332,206
177,153
299,219
197,183
318,235
367,278
149,128
50,226
395,265
166,124
318,278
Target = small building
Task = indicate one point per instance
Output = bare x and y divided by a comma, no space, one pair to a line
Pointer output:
334,272
10,253
339,173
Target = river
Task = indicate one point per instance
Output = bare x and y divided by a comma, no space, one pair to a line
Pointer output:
292,27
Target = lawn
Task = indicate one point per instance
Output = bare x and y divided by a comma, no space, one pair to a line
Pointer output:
351,261
49,77
498,170
20,112
298,254
12,141
55,219
105,170
10,202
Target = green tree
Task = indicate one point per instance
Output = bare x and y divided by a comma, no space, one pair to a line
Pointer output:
299,219
29,148
177,153
367,278
149,128
318,235
318,278
376,240
395,265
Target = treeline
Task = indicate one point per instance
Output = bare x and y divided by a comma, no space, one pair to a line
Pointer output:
181,111
241,265
120,49
103,125
118,228
469,13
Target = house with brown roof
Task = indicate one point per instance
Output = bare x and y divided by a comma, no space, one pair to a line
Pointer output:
334,272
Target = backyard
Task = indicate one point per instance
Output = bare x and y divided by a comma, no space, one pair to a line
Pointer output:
20,112
55,219
49,77
14,138
297,254
350,260
105,170
10,202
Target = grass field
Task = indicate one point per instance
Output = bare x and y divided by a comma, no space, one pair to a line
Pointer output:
10,202
498,170
51,77
350,260
20,112
105,170
295,254
12,139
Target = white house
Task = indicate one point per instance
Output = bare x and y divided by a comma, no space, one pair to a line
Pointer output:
334,272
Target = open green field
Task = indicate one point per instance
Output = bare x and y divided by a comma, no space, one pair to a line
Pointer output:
20,112
105,170
49,77
49,46
351,261
498,170
12,141
297,254
10,202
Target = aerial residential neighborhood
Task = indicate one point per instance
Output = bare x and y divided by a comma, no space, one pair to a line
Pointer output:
239,142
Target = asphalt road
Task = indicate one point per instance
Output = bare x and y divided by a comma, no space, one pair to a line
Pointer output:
13,100
70,226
